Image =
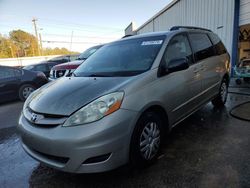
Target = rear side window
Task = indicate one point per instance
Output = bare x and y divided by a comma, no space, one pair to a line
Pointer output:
42,68
218,45
201,45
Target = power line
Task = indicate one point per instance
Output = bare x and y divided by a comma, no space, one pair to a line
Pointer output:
53,41
78,36
80,24
79,28
68,28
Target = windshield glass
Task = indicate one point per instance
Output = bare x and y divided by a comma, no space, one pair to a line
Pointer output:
88,52
122,58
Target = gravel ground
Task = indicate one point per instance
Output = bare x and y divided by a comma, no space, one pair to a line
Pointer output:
209,149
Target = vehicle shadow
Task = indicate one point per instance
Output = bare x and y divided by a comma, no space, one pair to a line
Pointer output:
186,158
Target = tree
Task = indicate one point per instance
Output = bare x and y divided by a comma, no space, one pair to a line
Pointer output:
23,44
26,43
5,47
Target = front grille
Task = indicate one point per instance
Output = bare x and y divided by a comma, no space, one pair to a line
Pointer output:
60,73
43,120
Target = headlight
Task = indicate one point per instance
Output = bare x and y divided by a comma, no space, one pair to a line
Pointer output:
96,110
28,100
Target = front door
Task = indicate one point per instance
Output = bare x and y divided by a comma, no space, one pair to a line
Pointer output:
181,88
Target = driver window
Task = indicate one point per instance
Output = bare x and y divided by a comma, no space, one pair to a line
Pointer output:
178,48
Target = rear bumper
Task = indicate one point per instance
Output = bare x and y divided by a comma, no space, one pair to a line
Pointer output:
76,149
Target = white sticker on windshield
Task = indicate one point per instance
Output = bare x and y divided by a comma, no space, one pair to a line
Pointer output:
155,42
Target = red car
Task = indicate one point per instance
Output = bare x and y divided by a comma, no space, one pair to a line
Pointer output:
67,68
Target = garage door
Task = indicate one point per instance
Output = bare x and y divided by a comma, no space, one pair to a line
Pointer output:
244,12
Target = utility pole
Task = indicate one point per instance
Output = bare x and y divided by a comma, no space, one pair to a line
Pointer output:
41,45
34,23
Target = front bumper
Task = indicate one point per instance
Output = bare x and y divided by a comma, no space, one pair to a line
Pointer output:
72,149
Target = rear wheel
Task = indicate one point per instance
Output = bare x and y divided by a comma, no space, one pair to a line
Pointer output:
25,91
238,81
146,140
221,98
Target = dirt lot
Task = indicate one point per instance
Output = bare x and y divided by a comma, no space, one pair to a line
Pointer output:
209,149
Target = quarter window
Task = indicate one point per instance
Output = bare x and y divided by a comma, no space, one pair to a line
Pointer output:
201,45
218,45
178,48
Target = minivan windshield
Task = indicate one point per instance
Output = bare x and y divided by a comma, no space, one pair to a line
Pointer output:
123,58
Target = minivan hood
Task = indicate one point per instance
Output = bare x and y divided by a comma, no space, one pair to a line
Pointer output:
69,65
66,95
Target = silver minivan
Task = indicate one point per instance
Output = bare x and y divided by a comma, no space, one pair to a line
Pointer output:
119,104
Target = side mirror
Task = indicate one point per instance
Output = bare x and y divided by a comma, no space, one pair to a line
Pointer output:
176,65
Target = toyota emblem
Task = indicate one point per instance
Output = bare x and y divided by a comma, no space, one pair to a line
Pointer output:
33,117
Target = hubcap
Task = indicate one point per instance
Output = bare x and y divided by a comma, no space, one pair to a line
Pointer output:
223,91
150,140
27,91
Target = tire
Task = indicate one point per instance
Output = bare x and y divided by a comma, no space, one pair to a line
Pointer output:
238,81
221,98
146,140
25,90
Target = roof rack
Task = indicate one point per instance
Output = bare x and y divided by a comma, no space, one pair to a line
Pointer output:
188,27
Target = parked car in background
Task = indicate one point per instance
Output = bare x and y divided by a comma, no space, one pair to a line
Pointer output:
242,71
120,103
19,83
67,68
45,66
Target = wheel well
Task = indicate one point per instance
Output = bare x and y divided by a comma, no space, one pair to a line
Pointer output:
27,83
160,111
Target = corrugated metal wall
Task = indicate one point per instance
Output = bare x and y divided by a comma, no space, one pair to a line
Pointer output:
244,12
217,15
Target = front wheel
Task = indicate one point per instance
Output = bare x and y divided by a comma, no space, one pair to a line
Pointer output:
25,91
146,139
221,98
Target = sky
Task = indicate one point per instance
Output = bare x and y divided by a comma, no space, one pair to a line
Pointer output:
87,22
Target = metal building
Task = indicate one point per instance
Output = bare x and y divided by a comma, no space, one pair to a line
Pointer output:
230,19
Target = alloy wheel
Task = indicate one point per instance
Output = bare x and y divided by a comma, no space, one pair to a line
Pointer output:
150,140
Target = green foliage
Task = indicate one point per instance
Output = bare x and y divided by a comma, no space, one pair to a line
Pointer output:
5,47
26,43
23,44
